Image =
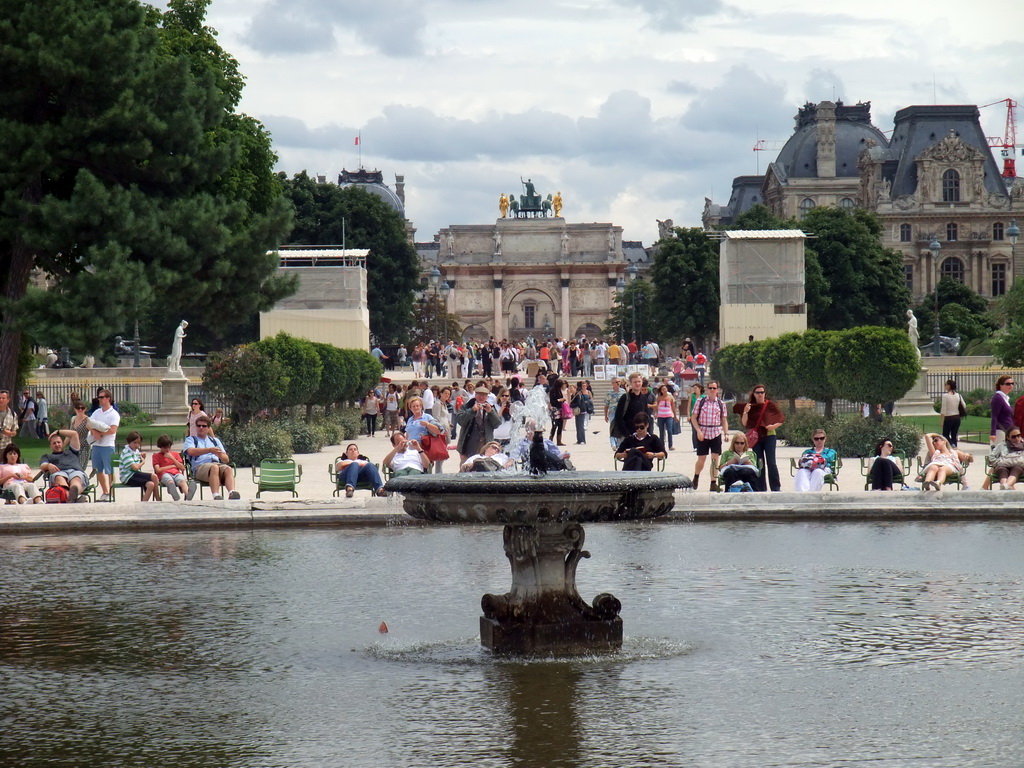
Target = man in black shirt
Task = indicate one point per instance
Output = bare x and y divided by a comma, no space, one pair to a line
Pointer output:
639,450
630,404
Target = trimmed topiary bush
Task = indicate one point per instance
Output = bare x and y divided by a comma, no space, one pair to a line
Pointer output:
853,436
306,437
799,426
249,444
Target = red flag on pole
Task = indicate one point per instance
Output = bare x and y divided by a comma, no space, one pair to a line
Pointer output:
357,141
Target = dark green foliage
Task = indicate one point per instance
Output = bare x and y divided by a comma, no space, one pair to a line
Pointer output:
132,414
864,281
962,313
248,444
1008,344
126,177
428,315
247,378
365,373
850,434
620,323
871,365
299,359
337,377
369,222
685,279
773,367
306,437
735,368
800,425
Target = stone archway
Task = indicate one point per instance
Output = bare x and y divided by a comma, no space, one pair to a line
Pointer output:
589,330
475,333
526,310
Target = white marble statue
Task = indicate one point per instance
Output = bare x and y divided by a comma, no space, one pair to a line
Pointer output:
174,359
915,338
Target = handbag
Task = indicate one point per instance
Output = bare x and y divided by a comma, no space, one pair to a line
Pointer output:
752,436
961,407
566,411
436,448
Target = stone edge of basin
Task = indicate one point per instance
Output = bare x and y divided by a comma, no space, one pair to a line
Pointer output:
689,507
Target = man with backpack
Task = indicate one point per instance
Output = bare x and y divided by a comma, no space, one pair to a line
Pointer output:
710,420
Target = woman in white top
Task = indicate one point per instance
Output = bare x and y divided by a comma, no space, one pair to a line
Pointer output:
391,420
949,412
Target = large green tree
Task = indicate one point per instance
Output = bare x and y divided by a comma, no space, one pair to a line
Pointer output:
685,278
962,313
126,178
633,308
866,284
329,214
1008,344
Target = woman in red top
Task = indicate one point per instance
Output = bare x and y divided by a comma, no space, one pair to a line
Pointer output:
764,415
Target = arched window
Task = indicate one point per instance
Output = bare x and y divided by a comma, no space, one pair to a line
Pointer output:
951,232
951,186
806,205
953,268
998,232
846,204
906,233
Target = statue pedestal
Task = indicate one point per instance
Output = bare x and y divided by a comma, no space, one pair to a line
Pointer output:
917,402
174,401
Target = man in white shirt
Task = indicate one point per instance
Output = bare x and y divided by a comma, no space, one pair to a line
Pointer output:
407,457
104,440
428,397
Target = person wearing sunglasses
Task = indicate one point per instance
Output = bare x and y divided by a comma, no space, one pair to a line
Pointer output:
1002,413
107,417
765,416
1007,460
739,464
943,461
210,461
814,464
886,469
710,420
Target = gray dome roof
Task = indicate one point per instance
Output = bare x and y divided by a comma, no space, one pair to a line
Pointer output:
799,156
372,182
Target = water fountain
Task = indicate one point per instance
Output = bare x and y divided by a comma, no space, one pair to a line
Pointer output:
542,516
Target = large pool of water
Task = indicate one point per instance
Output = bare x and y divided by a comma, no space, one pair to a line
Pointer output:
746,645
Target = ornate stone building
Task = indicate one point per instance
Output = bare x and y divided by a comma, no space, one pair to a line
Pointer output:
542,277
935,179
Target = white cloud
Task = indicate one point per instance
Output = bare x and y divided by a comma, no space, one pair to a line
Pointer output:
634,109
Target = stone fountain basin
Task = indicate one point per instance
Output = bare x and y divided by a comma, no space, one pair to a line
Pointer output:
559,497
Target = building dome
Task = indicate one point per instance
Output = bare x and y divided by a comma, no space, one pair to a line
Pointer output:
372,182
853,130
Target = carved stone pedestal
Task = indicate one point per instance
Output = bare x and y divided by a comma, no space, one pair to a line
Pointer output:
173,401
916,402
543,612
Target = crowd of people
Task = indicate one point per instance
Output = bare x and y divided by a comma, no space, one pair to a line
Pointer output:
90,439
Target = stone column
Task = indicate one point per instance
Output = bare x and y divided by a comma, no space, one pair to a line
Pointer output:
565,329
499,315
825,118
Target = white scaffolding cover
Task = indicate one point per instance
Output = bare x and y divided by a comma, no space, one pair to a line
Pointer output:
762,267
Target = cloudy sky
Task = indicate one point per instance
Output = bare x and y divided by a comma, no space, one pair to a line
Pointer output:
634,109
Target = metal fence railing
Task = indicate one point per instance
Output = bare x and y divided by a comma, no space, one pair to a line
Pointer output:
966,380
146,393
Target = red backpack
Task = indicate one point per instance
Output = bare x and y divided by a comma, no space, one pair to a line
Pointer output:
56,495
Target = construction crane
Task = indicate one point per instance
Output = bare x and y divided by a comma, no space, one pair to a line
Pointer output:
767,145
1008,141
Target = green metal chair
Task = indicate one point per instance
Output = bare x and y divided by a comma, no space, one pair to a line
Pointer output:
897,478
277,475
954,479
831,479
361,485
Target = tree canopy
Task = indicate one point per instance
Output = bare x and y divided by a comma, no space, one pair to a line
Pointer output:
329,214
126,177
685,278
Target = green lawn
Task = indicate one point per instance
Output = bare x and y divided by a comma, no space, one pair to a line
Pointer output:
972,428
